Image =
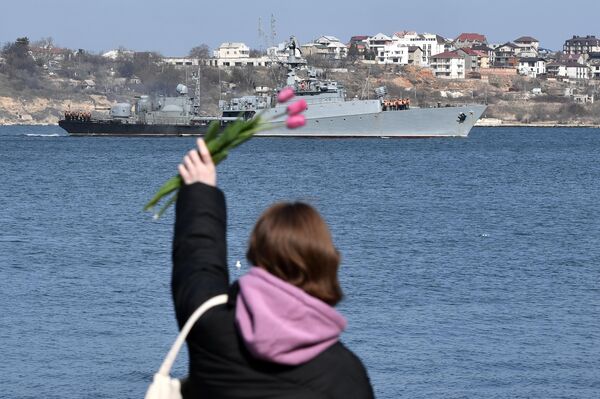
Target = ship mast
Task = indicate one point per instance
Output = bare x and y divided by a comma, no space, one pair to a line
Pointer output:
196,104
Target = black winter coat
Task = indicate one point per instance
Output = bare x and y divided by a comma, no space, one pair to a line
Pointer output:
220,366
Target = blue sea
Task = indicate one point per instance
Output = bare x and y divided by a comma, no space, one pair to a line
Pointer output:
471,267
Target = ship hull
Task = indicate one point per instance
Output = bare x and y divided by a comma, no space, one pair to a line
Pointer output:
108,128
411,123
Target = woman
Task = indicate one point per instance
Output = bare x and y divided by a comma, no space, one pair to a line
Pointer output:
277,337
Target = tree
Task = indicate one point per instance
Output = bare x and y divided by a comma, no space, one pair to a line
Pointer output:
244,78
202,52
353,53
164,81
17,56
254,53
44,42
370,54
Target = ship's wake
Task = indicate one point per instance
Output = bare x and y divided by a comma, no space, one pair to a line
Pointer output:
43,135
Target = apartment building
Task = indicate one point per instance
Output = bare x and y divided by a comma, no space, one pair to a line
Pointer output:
429,43
581,45
448,65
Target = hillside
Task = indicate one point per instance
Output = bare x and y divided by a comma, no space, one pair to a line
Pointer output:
42,98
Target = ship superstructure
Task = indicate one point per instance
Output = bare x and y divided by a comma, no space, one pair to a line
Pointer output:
146,116
331,114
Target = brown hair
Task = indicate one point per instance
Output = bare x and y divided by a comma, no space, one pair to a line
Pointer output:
292,242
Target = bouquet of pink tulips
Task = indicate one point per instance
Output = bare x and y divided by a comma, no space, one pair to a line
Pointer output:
232,136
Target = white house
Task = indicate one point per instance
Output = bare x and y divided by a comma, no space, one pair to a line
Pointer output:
448,65
594,65
393,53
568,70
577,71
232,50
527,47
531,67
378,42
430,44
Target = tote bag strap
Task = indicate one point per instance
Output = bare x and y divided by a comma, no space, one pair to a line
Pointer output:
165,368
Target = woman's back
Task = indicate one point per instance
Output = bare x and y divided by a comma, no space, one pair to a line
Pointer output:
272,339
222,367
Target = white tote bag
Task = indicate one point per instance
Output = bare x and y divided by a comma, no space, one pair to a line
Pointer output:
163,386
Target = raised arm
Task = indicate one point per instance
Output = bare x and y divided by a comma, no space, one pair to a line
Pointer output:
199,244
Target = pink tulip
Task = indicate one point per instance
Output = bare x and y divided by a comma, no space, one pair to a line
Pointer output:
297,107
285,94
295,121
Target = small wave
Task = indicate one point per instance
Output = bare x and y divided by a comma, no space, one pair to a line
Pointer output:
43,135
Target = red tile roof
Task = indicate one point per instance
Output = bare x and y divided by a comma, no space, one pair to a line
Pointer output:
469,51
471,37
358,38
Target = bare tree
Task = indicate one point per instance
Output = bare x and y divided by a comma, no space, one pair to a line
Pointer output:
202,52
254,53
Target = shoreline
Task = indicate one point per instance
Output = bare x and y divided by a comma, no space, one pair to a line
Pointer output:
480,123
496,122
540,125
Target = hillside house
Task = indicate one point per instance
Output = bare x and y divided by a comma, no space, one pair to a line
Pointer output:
469,40
429,43
448,65
181,61
505,56
527,47
232,50
393,53
415,56
360,43
594,65
377,43
486,49
472,59
531,66
581,45
567,70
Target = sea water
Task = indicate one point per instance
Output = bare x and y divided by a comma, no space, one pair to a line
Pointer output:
470,267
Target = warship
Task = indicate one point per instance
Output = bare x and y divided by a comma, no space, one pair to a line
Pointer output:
148,116
329,113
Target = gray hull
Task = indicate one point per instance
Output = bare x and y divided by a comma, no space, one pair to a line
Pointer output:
365,119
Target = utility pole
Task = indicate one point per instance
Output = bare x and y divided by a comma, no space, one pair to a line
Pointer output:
273,32
261,34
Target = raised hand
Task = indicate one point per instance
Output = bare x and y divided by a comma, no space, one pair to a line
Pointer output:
198,166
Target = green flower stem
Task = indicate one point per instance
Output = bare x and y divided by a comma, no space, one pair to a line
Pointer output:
219,146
